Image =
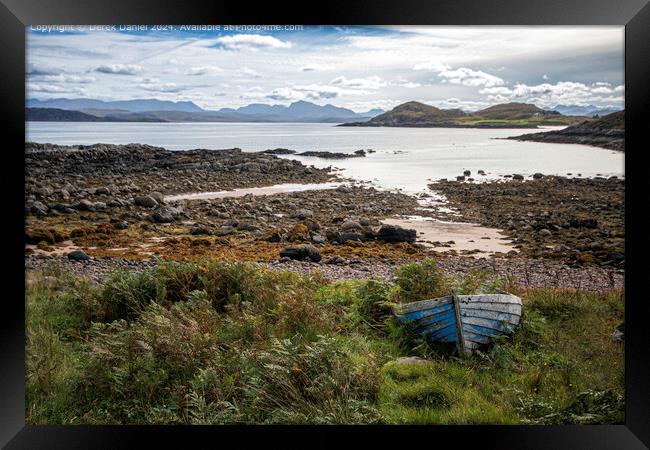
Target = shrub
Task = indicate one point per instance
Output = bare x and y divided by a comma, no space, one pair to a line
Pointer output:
420,281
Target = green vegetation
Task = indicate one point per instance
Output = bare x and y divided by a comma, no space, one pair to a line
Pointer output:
220,342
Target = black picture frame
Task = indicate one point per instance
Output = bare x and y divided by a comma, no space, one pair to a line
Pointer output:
16,14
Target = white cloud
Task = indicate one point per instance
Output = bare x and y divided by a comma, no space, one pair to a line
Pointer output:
373,82
316,68
204,70
120,69
469,77
401,82
251,42
41,70
65,78
156,85
56,89
432,66
248,72
560,93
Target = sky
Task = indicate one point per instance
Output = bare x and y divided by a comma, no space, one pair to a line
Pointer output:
359,68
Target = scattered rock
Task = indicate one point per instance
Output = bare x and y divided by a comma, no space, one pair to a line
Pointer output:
198,230
410,360
78,255
393,233
163,215
303,214
145,201
301,253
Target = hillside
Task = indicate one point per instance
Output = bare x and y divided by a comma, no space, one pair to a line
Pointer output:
58,115
606,132
64,115
509,115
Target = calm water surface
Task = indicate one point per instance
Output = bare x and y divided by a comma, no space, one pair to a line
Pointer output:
404,158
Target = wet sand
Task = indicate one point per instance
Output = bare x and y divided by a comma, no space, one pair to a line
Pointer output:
266,190
457,236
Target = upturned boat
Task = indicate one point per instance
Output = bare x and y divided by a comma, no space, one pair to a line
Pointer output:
468,321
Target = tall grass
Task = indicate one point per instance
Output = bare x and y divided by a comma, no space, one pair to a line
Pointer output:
220,342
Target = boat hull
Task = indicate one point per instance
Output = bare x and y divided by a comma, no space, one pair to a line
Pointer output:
468,321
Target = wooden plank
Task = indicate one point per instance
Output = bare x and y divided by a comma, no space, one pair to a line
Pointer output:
435,326
441,335
471,337
421,305
418,315
482,331
495,325
503,307
490,298
493,315
440,331
459,326
443,315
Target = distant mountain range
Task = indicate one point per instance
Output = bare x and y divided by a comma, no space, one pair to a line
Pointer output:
152,110
586,111
507,115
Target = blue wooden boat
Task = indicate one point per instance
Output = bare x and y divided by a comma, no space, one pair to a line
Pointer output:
467,321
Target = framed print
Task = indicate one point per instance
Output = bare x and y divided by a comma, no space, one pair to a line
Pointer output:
383,219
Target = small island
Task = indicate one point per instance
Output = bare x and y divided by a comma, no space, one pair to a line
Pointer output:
507,115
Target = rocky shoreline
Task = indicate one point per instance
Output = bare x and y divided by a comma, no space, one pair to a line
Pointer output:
111,203
58,172
575,220
607,132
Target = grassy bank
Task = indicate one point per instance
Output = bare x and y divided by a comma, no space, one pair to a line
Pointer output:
219,342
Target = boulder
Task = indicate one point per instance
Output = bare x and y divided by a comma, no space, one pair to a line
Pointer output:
78,255
350,226
39,208
273,236
394,233
301,253
225,230
303,214
198,230
145,201
163,215
337,260
346,236
410,360
157,196
84,205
